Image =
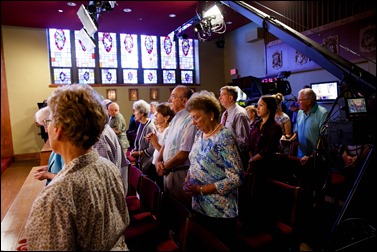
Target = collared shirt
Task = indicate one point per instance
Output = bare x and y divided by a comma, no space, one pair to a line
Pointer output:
308,129
108,146
216,160
238,122
82,209
180,136
119,124
55,164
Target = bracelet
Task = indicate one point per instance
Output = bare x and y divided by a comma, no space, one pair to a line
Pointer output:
201,190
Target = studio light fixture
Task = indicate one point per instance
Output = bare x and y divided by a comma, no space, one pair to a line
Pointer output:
209,22
89,18
86,41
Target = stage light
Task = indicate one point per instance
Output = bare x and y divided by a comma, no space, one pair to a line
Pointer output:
87,21
86,41
211,21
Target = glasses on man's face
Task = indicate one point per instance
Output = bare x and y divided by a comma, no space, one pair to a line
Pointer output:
46,122
172,96
304,99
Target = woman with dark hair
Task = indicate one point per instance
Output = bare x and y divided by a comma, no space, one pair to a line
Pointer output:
164,115
265,138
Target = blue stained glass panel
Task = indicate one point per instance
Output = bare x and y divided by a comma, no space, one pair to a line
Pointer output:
169,76
187,77
130,76
62,76
109,76
86,76
150,76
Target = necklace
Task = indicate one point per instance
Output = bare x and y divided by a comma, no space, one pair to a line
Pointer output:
213,131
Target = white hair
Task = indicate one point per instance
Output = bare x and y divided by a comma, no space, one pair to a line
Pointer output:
42,114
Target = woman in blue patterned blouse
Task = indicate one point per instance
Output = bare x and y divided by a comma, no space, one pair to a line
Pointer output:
215,169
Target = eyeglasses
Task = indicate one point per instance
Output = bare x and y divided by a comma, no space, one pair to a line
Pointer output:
303,99
46,122
196,118
175,97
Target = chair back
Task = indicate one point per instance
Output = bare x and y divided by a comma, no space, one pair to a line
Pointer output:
173,219
277,221
134,178
198,238
150,195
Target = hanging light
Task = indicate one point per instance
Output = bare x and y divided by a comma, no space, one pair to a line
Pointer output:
211,22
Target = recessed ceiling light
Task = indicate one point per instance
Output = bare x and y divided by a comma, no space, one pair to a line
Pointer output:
72,4
127,10
140,19
172,15
229,22
60,11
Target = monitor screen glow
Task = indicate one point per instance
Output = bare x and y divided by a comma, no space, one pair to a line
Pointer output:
356,105
325,91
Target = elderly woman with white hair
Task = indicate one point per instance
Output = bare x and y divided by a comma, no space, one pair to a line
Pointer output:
55,161
143,151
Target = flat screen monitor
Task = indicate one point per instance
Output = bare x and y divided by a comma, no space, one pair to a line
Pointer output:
356,107
325,91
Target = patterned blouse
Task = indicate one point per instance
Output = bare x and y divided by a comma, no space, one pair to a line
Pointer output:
83,208
216,160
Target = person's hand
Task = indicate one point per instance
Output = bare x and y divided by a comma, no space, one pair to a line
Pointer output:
191,189
134,153
41,174
160,168
23,245
43,168
304,160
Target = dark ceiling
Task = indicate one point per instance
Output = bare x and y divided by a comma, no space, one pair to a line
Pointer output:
147,17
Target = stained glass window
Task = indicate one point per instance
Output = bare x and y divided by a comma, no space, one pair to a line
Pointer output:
186,54
168,76
130,76
129,50
109,76
60,48
150,76
168,52
149,54
62,76
187,77
86,76
84,58
144,59
107,44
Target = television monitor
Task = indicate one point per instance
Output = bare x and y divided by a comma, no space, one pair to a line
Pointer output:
356,107
325,91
